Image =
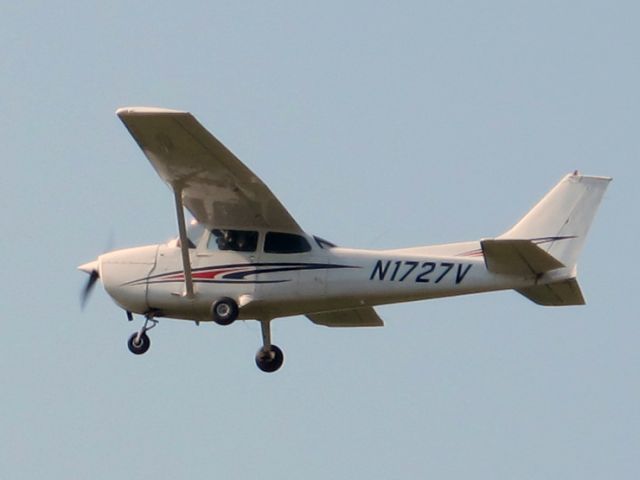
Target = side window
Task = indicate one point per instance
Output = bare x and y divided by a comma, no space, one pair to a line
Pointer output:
276,242
234,240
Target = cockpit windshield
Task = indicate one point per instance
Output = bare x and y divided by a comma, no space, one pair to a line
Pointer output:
194,234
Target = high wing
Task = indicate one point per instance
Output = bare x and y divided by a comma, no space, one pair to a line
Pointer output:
216,187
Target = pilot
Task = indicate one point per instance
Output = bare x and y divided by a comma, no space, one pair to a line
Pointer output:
241,243
221,240
230,237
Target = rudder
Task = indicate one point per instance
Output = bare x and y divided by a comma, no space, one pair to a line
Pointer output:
559,222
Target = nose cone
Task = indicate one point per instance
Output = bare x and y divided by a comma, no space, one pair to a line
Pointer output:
89,267
124,275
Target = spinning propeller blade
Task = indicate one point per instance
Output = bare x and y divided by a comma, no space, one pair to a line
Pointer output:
94,275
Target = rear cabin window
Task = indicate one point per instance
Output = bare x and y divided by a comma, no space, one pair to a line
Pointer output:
233,240
322,243
276,242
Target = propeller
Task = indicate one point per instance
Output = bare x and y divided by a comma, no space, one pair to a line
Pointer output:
94,275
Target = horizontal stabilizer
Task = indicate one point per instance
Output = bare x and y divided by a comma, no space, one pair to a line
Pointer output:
557,294
517,257
357,317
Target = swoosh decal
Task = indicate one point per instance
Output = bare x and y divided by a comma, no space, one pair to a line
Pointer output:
235,273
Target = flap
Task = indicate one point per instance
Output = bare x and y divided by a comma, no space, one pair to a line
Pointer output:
357,317
517,257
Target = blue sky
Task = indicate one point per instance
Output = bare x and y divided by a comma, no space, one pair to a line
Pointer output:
377,126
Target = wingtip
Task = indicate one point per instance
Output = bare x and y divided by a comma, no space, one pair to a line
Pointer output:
126,111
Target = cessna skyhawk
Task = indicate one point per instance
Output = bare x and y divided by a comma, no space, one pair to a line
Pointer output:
245,257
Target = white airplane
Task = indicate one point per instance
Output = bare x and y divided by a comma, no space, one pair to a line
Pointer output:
245,257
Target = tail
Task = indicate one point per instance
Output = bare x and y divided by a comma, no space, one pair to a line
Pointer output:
559,223
554,233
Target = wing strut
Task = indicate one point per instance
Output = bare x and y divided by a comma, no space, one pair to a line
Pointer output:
184,244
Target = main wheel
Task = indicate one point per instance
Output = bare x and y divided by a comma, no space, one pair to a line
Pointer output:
224,311
138,346
269,359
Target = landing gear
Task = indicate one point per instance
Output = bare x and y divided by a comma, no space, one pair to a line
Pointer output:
139,342
224,311
269,358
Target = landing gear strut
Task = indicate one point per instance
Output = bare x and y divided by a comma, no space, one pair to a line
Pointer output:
269,358
139,342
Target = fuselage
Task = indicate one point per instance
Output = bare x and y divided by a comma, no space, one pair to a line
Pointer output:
297,274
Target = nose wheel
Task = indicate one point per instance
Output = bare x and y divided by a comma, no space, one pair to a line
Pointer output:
269,358
139,342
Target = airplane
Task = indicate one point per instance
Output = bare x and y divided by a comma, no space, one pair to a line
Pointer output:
245,257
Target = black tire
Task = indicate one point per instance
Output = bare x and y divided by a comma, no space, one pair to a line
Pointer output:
224,311
270,359
140,346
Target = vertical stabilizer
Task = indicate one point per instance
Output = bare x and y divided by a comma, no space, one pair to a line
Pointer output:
560,221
